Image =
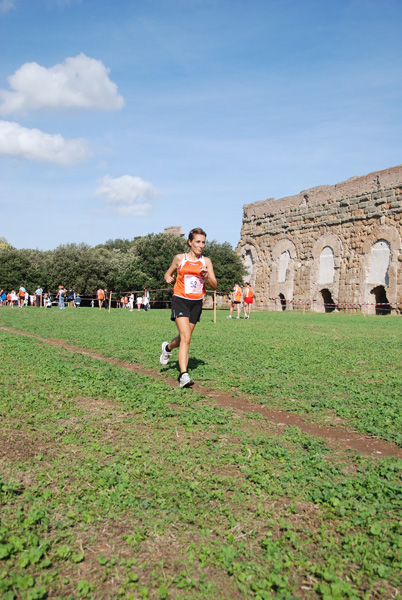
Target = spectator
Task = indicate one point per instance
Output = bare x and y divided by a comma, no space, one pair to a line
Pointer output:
145,299
139,302
61,295
77,301
13,299
38,296
70,298
107,299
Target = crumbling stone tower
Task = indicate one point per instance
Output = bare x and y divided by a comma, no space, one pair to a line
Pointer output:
328,248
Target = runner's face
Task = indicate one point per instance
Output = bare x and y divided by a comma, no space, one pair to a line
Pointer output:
197,244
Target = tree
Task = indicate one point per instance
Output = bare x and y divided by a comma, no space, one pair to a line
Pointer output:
16,270
4,243
227,265
78,266
155,253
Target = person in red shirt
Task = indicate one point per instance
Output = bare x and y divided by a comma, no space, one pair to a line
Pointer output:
192,271
248,298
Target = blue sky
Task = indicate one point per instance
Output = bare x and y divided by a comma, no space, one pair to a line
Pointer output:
119,118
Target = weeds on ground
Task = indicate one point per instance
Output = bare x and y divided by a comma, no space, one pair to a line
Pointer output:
336,368
115,485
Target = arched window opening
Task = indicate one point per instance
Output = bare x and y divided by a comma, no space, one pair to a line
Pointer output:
329,304
248,263
382,306
327,266
379,262
283,266
282,301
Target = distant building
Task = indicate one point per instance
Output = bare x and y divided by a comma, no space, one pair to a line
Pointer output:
328,248
174,230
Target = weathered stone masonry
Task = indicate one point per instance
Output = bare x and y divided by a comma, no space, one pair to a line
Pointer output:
328,247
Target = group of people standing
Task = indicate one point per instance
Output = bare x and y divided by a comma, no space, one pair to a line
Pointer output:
20,298
63,295
239,297
104,297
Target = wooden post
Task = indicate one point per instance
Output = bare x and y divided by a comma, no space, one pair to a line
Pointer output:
110,300
214,306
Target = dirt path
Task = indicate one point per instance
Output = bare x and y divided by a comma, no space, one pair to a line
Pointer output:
336,437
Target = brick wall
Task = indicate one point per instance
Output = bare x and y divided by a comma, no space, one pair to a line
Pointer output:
358,219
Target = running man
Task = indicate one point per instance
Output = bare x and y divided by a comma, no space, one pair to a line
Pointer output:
193,271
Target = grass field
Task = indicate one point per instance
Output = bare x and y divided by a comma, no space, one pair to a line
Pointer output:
116,485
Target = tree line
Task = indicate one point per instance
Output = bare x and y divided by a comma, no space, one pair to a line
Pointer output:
119,265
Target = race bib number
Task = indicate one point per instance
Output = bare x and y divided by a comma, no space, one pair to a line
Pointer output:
193,284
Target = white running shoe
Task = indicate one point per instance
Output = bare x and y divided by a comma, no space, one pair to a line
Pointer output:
229,317
164,357
185,380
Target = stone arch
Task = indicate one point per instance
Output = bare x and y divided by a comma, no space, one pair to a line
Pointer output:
382,245
379,262
325,272
326,267
281,286
379,297
250,260
327,301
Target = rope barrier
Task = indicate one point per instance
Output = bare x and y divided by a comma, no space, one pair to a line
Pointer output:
117,296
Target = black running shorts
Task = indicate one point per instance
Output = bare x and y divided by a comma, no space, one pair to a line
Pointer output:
182,307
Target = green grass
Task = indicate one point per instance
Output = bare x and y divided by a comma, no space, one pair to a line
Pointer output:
115,485
345,366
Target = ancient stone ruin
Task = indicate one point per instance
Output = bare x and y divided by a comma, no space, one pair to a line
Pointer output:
328,248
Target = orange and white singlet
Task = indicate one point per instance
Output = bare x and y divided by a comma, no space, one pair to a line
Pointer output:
237,293
248,293
189,282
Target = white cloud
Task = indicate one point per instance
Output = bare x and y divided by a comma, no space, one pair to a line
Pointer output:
33,144
79,82
126,195
7,5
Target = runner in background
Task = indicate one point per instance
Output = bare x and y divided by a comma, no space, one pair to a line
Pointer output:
248,298
21,297
236,300
100,294
192,271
